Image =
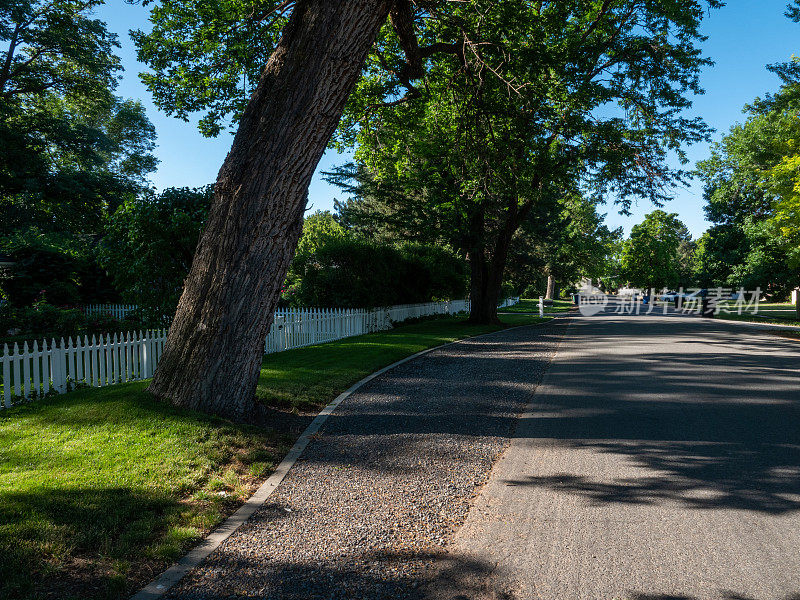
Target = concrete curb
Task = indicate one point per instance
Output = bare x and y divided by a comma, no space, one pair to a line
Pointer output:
160,586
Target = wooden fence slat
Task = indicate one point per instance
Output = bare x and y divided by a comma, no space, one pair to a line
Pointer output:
26,371
36,358
47,372
7,391
99,358
17,378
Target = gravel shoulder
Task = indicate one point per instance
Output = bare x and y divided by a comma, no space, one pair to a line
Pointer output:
369,509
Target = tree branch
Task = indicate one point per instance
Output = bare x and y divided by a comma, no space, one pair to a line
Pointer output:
12,46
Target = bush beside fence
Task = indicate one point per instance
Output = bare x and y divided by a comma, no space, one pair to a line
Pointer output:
40,369
295,328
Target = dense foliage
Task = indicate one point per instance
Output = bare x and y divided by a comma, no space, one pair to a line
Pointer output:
470,113
658,253
335,267
509,125
48,277
149,246
751,198
72,150
569,245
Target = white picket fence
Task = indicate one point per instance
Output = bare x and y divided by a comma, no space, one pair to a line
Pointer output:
508,302
55,367
298,327
33,371
118,311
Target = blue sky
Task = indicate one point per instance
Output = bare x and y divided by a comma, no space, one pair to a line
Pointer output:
744,37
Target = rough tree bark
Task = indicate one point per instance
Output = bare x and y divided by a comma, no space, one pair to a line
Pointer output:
483,294
487,273
213,354
487,281
551,287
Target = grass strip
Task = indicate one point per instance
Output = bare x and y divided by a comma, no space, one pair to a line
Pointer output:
531,305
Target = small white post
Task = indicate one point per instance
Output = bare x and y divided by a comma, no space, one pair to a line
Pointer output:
541,306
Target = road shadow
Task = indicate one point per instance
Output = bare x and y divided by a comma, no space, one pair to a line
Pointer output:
717,429
723,595
419,575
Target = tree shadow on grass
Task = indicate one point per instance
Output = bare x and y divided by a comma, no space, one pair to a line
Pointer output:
64,544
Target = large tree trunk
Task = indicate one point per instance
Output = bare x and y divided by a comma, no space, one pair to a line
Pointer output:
487,274
551,287
215,346
483,294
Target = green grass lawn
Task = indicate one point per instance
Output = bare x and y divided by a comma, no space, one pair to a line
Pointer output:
778,313
531,305
99,483
102,488
777,310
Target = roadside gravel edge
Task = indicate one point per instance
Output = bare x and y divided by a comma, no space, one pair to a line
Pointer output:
162,584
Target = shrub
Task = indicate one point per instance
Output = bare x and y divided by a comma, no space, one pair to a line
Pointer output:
104,324
62,269
347,271
506,291
435,272
45,319
8,318
533,291
38,271
149,246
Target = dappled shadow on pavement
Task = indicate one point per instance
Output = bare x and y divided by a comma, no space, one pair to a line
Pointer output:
716,428
716,425
713,429
379,491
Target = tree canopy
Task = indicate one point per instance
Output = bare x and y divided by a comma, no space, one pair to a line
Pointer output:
657,253
749,187
72,150
538,102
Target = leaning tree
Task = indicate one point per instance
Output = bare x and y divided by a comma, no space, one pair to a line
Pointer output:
584,55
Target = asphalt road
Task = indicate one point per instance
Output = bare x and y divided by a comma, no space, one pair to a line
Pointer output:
658,460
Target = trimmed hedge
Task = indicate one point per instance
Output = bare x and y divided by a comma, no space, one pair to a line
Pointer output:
353,272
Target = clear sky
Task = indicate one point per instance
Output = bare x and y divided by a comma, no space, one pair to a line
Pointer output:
744,37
